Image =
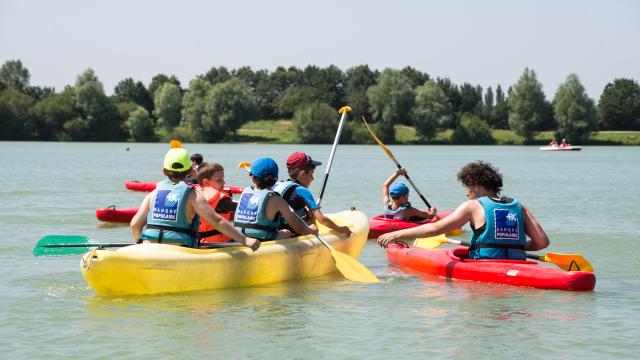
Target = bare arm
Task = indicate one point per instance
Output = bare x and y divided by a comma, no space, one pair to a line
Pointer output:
299,226
413,212
385,187
139,220
539,239
202,208
322,219
456,220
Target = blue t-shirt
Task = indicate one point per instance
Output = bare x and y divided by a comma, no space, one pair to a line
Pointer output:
301,193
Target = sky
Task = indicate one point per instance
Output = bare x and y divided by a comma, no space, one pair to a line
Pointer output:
486,42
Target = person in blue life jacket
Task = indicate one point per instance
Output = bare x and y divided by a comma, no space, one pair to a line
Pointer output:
499,225
260,210
296,193
170,214
396,201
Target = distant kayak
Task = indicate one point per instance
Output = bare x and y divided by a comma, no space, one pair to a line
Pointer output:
113,215
453,264
378,225
149,186
560,148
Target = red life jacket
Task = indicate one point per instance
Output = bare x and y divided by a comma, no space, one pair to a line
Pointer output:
207,232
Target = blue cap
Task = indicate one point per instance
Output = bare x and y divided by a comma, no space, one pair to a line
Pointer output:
264,167
398,189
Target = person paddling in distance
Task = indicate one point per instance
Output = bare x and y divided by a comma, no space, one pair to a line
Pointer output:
396,201
211,185
261,210
499,224
296,193
170,213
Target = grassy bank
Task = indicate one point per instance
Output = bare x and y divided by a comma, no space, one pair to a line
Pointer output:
281,132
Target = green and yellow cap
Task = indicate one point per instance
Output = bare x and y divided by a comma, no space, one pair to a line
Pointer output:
177,159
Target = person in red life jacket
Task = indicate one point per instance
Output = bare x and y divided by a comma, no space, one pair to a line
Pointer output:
499,224
396,201
211,185
170,213
296,193
553,143
564,143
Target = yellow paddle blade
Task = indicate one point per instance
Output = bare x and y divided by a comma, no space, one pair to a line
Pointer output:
175,144
344,109
245,165
569,262
351,269
377,140
455,232
430,242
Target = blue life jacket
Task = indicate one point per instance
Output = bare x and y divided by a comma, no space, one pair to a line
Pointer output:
250,215
166,221
397,214
285,189
503,236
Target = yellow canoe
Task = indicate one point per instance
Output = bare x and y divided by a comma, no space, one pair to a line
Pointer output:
161,268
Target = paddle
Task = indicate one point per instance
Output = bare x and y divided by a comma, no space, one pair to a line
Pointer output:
58,245
396,162
568,262
343,110
349,267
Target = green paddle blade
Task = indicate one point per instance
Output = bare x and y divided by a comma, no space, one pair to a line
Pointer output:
58,245
351,269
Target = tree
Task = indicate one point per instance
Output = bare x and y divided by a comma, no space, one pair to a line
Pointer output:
128,90
488,100
52,112
470,98
168,101
14,114
279,81
574,110
358,80
391,102
217,75
229,105
300,95
315,123
432,110
416,77
619,106
12,73
472,130
140,125
193,108
526,105
159,80
98,118
452,93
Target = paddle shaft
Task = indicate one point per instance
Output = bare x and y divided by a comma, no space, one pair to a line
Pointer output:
333,151
397,163
211,245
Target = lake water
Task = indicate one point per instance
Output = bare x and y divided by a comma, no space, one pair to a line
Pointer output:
588,202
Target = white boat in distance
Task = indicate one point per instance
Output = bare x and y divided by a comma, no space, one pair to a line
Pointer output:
560,148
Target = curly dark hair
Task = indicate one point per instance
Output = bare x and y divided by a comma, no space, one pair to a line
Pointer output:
481,173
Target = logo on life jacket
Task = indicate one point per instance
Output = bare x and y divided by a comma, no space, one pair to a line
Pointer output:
506,225
165,206
248,208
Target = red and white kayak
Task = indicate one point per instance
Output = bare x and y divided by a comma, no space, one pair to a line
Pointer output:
378,225
453,264
149,186
560,148
113,215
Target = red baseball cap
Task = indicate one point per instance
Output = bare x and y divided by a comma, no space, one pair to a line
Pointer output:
298,159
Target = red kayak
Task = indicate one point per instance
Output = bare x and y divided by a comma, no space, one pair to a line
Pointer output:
149,186
111,214
453,264
378,225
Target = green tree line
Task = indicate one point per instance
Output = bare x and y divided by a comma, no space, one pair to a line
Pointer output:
217,103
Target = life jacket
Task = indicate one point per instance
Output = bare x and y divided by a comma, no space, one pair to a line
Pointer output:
397,214
503,236
250,215
166,221
206,231
286,189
